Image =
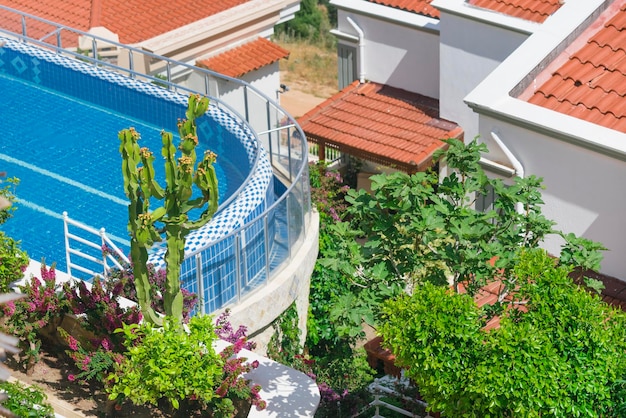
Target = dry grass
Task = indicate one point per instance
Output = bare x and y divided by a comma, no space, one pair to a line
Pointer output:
311,67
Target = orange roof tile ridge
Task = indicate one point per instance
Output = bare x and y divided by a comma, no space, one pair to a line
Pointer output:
95,17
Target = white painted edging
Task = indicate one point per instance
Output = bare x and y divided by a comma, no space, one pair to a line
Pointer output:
288,392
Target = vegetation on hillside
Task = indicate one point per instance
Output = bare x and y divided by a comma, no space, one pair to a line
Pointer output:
312,62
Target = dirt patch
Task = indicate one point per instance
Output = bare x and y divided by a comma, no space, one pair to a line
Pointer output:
71,399
302,96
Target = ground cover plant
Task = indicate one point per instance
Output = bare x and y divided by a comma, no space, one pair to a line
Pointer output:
25,401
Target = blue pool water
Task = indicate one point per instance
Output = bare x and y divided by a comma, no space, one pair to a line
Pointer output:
65,152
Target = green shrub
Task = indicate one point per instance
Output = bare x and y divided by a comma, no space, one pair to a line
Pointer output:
26,401
562,355
13,262
168,363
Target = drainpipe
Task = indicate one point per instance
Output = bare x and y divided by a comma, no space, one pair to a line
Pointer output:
517,166
361,34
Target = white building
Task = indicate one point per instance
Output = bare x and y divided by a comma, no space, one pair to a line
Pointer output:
540,82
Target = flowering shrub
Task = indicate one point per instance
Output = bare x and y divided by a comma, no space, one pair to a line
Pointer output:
101,315
100,309
327,192
95,362
26,317
224,330
157,279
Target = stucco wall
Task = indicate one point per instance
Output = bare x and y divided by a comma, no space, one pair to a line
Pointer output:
397,55
584,189
466,60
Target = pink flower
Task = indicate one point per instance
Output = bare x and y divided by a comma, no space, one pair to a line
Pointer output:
71,377
106,344
72,342
255,364
9,308
86,362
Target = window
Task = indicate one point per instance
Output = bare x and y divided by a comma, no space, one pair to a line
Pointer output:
346,61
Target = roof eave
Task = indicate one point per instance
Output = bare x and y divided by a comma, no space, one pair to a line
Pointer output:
265,12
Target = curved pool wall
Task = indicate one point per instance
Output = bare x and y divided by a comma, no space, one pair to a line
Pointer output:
227,135
289,227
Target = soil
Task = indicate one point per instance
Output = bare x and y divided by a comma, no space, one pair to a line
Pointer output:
70,399
297,102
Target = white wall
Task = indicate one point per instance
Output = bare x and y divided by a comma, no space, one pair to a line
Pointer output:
584,189
472,46
398,55
583,165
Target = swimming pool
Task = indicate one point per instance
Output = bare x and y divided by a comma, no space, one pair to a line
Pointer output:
59,125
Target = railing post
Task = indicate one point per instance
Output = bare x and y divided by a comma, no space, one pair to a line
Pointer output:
24,29
246,104
131,63
270,133
289,154
104,257
287,198
94,48
67,245
168,70
238,265
266,237
198,258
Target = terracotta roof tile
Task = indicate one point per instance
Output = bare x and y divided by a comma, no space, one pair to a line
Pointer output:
591,82
132,20
248,57
421,7
382,124
533,10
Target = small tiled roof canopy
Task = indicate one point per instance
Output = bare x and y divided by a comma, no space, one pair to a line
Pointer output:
533,10
245,58
588,81
382,124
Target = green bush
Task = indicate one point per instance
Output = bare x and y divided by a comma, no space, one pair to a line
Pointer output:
13,262
26,401
168,363
562,355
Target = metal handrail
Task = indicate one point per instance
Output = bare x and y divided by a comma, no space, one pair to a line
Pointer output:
292,129
104,241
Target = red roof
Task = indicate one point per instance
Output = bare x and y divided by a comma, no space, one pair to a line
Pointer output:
588,80
533,10
245,58
380,123
421,7
132,20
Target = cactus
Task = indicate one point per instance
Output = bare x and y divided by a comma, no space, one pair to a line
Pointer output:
141,186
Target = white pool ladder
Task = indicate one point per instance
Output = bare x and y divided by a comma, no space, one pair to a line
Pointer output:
72,253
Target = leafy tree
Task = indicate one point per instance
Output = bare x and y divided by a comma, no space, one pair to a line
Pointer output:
306,23
562,355
421,228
